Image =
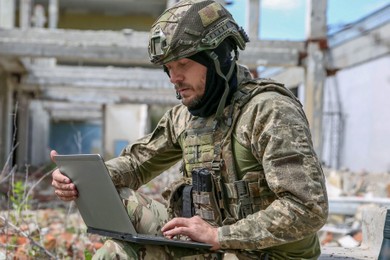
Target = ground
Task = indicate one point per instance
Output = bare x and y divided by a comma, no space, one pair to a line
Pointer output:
35,224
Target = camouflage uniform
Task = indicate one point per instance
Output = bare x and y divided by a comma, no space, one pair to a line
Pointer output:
148,217
269,145
268,198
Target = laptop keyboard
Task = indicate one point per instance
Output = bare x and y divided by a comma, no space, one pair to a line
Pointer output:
161,238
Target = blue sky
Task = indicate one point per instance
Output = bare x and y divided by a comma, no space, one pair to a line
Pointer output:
285,19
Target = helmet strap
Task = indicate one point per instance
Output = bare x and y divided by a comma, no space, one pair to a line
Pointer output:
226,78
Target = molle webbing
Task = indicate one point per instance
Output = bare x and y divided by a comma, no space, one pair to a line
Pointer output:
207,144
203,198
204,195
199,149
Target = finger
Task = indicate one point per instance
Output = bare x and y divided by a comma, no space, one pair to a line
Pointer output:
52,154
67,198
173,223
59,177
177,231
66,195
63,187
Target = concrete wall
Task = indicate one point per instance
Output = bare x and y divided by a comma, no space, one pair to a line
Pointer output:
364,93
123,124
104,22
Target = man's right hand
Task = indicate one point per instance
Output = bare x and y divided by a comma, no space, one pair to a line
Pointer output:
63,186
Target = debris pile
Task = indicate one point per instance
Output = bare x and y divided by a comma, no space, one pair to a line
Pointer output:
35,224
50,227
351,193
45,234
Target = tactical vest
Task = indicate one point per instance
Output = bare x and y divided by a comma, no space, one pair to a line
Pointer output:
207,144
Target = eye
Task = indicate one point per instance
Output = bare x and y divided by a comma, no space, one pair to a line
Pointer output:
183,62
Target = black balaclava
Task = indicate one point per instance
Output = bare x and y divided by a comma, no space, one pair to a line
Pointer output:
215,85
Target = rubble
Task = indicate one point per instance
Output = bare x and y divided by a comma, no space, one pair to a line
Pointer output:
45,233
350,194
57,227
49,227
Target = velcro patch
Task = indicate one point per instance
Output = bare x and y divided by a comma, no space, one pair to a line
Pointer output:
209,14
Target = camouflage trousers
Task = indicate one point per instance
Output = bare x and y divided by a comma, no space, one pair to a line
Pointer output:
148,216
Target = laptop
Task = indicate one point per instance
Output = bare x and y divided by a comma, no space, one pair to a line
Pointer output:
100,205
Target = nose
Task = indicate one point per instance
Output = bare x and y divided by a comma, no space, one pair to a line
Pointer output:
176,76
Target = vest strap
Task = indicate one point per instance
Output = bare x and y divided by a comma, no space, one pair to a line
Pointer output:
188,206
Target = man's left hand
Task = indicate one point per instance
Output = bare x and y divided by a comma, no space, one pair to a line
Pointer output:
195,228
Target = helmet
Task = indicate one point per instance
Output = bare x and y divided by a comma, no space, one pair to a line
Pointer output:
192,26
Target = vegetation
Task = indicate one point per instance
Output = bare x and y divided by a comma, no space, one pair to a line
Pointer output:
36,225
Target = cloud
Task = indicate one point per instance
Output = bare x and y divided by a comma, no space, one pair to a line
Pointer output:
282,4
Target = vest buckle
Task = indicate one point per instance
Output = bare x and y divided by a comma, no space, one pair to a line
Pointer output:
216,165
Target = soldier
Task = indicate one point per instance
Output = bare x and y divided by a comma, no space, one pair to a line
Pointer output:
251,182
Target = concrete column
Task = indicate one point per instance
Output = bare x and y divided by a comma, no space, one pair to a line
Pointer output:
144,122
253,8
23,132
314,89
316,34
32,132
39,121
316,21
7,14
25,14
53,14
6,122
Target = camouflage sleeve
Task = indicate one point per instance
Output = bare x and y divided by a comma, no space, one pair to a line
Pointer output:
276,131
146,158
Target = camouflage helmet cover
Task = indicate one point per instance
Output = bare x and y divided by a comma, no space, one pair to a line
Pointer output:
192,26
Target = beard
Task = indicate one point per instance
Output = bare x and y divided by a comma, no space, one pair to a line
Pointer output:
192,103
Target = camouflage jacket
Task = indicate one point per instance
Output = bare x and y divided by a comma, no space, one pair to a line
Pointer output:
270,137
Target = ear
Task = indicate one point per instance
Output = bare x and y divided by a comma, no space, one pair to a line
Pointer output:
166,70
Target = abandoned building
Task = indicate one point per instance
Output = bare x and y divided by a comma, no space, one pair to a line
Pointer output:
71,71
